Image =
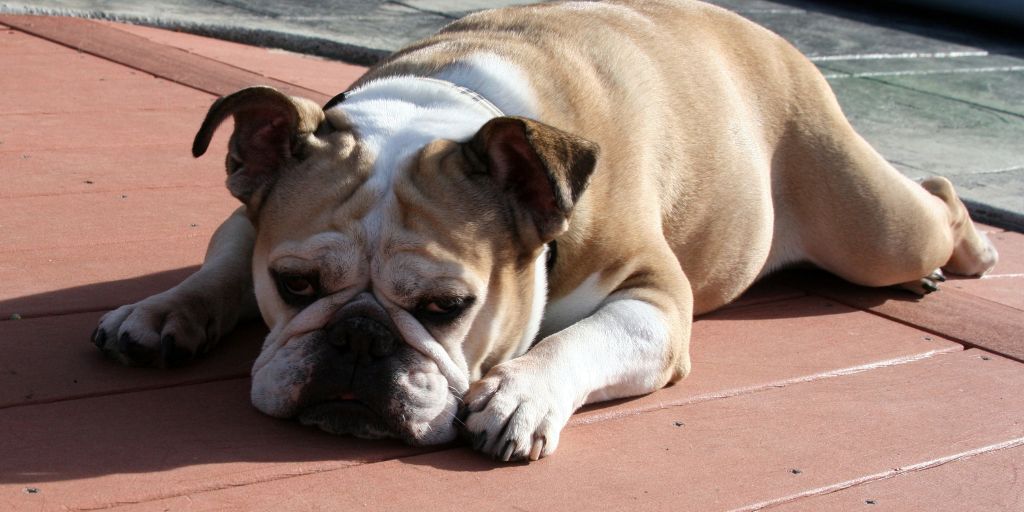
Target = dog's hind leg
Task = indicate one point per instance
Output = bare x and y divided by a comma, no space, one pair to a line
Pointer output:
172,327
973,253
858,217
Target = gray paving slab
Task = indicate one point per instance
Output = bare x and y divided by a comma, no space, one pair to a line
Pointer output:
998,90
455,9
933,96
895,66
924,134
935,135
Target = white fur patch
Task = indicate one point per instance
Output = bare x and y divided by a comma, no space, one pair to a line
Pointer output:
540,297
575,306
628,340
501,82
396,117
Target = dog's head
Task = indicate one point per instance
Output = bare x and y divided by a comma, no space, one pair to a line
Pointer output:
399,248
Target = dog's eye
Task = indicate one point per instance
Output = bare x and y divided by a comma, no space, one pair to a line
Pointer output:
443,310
297,289
297,285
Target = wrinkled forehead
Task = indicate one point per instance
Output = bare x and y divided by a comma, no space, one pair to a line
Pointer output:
371,230
365,197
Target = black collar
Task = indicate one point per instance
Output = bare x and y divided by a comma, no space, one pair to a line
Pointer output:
549,265
334,101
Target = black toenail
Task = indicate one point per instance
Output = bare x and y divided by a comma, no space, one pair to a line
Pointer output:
99,337
171,354
136,352
480,440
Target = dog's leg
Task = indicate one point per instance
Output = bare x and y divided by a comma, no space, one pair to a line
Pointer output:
636,342
973,253
172,327
858,217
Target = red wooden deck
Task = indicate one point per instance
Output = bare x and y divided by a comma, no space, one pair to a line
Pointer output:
808,394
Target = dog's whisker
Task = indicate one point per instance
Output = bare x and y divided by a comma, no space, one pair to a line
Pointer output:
456,395
455,418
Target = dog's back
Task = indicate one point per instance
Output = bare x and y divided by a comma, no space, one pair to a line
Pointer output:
686,100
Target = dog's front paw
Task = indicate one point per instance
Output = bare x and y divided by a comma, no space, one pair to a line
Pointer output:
167,329
516,413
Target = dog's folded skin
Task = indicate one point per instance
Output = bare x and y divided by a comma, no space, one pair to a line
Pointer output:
522,214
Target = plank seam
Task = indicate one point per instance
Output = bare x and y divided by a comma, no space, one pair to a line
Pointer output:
257,481
205,237
883,475
778,384
156,188
966,344
116,392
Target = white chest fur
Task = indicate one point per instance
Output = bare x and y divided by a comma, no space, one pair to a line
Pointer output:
573,307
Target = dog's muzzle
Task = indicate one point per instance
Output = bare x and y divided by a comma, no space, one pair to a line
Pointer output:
363,329
366,371
343,395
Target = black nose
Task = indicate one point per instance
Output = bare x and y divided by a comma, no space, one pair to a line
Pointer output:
365,338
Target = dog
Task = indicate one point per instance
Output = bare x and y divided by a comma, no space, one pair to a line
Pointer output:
523,213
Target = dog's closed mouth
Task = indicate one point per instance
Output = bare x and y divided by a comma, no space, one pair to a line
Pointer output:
345,416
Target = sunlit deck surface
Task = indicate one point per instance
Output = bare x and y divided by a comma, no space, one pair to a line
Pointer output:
807,394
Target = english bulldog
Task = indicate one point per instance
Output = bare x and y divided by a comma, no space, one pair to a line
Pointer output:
523,213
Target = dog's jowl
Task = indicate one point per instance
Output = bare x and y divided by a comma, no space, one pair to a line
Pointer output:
523,213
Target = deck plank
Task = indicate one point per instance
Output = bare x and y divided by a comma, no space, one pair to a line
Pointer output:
322,75
50,359
63,65
89,278
140,53
17,43
53,172
37,222
94,452
117,129
958,315
121,246
736,453
1005,283
772,289
986,313
989,481
38,94
737,351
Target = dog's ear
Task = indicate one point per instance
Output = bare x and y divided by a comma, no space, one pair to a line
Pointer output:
542,169
269,130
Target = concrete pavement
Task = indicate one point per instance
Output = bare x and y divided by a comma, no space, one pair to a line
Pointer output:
934,95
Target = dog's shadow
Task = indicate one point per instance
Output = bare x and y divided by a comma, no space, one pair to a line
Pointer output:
993,35
67,413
